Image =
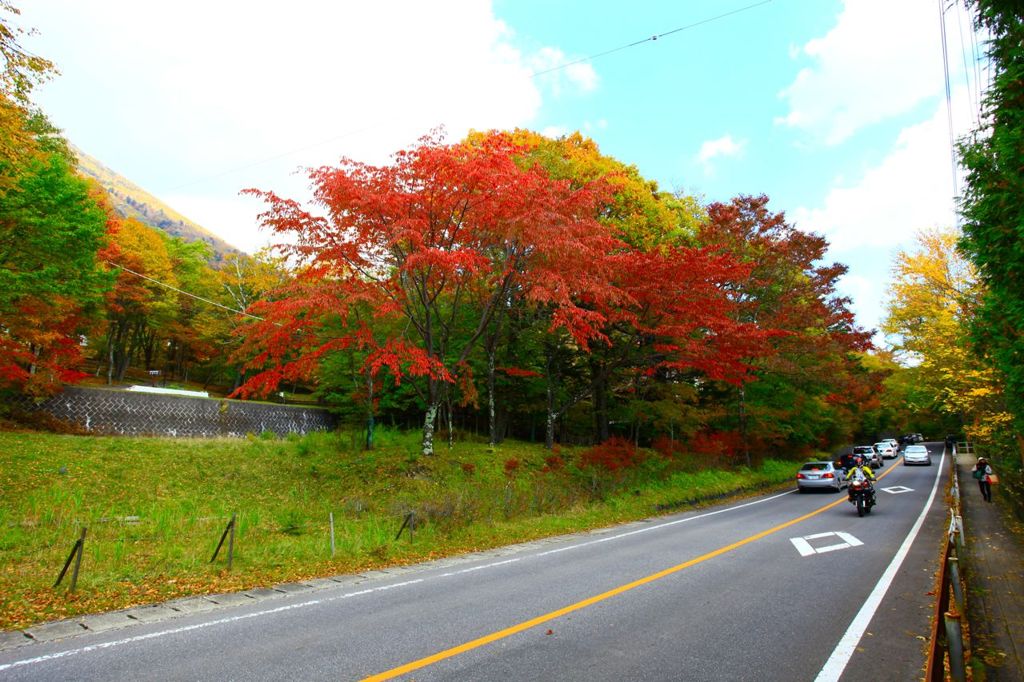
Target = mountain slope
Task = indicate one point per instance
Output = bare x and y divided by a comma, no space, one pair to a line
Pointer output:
132,201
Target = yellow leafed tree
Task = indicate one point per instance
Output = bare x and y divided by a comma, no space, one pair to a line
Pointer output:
932,297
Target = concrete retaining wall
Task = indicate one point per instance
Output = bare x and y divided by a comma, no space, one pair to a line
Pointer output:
108,411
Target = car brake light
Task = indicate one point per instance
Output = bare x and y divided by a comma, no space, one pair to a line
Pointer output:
828,475
800,476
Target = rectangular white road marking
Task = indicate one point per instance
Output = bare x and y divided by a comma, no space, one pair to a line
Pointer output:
836,663
805,548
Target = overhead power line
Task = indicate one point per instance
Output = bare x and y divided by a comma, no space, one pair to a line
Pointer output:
649,39
184,293
949,100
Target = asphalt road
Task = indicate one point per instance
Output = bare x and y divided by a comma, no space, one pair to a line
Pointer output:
781,587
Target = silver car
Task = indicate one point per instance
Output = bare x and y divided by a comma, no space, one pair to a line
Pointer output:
819,475
886,449
917,454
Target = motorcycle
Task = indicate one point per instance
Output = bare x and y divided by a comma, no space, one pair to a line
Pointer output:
862,496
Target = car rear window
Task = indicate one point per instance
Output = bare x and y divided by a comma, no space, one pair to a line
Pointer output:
863,448
916,448
814,466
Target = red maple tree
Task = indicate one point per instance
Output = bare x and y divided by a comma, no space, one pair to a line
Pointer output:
439,239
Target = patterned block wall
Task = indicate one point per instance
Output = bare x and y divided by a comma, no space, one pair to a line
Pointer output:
135,414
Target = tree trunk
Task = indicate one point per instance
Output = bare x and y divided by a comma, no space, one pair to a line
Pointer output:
428,428
492,422
743,425
369,410
549,430
121,352
110,356
600,393
448,416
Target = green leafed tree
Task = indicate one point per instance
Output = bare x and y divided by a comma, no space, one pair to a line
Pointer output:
51,285
992,206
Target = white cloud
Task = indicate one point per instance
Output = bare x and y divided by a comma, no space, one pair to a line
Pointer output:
235,218
865,294
724,146
910,189
195,99
880,60
548,62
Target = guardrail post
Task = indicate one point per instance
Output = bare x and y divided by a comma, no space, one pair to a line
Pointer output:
955,647
954,581
958,541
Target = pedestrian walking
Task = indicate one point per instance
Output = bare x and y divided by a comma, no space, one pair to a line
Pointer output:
982,471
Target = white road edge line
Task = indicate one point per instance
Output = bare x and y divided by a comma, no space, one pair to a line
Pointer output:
836,663
660,525
197,626
314,602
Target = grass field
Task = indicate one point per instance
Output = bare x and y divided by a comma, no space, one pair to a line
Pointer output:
155,508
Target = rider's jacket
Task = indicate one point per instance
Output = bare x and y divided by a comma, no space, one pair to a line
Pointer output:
862,471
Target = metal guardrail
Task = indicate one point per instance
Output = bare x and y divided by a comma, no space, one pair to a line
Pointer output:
947,643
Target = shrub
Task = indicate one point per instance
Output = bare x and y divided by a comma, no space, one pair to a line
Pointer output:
511,467
612,455
553,463
718,444
668,448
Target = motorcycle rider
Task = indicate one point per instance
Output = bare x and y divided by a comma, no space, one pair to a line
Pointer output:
861,471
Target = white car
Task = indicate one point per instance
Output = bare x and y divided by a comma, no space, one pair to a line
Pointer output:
886,449
917,454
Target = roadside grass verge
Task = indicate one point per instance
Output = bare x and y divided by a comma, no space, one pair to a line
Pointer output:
156,507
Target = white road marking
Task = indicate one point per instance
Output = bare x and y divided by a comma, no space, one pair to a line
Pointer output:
314,602
836,663
659,526
805,548
199,626
897,489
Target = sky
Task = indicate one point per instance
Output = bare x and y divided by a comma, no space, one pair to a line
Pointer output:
835,109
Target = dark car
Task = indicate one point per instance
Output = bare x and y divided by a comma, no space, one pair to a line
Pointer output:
911,439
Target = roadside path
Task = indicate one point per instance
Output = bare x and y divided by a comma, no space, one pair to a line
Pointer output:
995,581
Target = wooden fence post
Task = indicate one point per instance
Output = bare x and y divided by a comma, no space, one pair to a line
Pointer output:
76,554
331,516
229,530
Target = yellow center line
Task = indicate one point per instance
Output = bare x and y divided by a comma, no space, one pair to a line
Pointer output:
533,622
